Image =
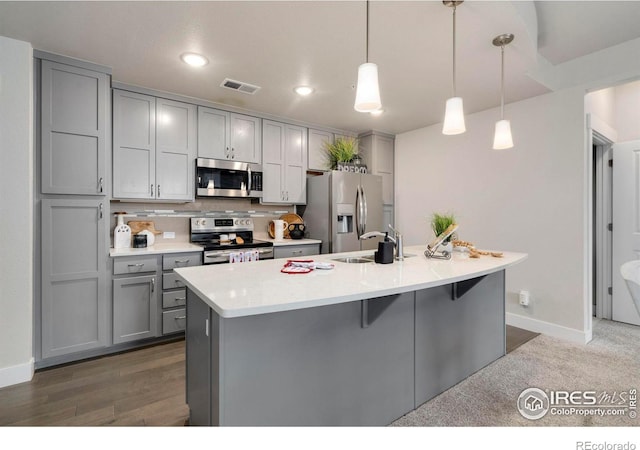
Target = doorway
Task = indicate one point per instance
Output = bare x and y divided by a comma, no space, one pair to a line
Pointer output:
602,190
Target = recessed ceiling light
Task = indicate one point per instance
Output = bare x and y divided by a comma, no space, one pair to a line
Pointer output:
377,112
193,59
303,90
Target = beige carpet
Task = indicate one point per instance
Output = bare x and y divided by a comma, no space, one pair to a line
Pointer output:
609,363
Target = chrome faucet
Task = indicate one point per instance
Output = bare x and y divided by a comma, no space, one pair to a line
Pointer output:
396,239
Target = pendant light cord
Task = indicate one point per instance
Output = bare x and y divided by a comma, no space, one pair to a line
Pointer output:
367,46
454,51
502,82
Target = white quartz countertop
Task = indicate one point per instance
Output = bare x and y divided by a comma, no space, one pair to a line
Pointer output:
177,247
245,289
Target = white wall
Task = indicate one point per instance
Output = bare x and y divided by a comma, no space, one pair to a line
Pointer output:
627,111
602,103
529,199
16,215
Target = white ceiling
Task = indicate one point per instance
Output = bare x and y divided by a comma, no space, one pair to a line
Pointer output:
278,45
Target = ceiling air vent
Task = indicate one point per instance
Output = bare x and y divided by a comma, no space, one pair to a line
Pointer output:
239,86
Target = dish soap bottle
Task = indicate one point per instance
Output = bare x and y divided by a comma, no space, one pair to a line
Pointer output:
121,233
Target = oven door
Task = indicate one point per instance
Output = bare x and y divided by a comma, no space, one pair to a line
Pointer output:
219,178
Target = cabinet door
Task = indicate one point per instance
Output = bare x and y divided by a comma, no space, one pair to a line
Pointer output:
135,308
317,154
74,270
175,150
75,126
273,139
384,166
245,133
295,165
295,251
134,145
213,133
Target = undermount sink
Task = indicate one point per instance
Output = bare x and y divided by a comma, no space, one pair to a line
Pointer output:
354,260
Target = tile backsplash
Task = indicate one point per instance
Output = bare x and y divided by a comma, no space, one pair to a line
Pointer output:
180,225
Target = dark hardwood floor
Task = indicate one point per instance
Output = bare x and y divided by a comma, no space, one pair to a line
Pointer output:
137,388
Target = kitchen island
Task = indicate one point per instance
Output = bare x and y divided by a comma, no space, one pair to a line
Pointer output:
361,344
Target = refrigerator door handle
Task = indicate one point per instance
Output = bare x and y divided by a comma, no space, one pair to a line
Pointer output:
364,209
358,212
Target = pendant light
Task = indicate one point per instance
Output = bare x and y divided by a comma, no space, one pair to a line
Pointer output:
454,111
367,91
502,138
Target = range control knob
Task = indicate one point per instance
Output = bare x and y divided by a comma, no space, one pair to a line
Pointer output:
237,222
203,222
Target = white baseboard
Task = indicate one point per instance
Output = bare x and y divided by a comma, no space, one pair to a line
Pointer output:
548,328
16,374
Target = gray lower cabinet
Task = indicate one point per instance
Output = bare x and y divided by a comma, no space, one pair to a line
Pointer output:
136,295
295,251
459,329
174,292
75,129
135,308
74,303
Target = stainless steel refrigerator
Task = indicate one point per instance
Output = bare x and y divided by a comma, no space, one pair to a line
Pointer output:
342,206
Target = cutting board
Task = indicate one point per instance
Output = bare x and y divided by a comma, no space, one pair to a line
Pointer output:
139,225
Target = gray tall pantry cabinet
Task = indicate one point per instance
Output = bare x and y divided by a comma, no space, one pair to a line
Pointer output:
73,121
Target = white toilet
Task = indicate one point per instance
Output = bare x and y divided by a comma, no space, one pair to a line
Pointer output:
631,273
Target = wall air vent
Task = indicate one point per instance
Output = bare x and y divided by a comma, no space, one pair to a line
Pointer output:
239,86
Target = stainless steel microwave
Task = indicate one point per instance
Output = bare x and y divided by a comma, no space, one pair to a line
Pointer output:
221,178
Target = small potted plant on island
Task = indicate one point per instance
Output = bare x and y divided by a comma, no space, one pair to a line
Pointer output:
342,153
439,223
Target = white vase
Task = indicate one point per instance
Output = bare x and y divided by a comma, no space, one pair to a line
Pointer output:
446,247
121,234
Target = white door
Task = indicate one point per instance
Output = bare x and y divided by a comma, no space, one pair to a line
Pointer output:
626,225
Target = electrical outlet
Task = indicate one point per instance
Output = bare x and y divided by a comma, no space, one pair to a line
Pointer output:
524,298
169,235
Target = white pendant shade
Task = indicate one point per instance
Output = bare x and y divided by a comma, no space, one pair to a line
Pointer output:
367,91
454,117
502,138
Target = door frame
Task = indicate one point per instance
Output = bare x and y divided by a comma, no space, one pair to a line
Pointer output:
602,216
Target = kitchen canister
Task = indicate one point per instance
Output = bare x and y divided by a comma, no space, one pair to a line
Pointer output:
121,233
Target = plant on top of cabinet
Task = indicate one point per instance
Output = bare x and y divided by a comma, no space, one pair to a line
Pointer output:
342,150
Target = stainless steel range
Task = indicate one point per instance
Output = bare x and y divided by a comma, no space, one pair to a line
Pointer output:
221,235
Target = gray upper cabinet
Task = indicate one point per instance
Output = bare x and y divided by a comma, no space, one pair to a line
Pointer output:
154,147
317,155
377,151
226,135
75,127
73,276
284,163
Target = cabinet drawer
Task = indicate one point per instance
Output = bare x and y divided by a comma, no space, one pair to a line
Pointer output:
174,298
175,260
295,251
138,264
174,321
171,281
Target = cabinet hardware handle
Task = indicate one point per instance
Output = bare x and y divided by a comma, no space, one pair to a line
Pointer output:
179,317
227,152
233,153
181,261
152,190
296,252
100,185
158,191
206,327
177,299
100,210
153,285
136,265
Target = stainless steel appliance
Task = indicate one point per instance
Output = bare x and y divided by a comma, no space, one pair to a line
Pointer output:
341,207
223,234
221,178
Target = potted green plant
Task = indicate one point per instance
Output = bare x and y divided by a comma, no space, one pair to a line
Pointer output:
342,150
439,223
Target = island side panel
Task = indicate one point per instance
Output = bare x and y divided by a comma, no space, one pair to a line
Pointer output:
456,338
319,366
